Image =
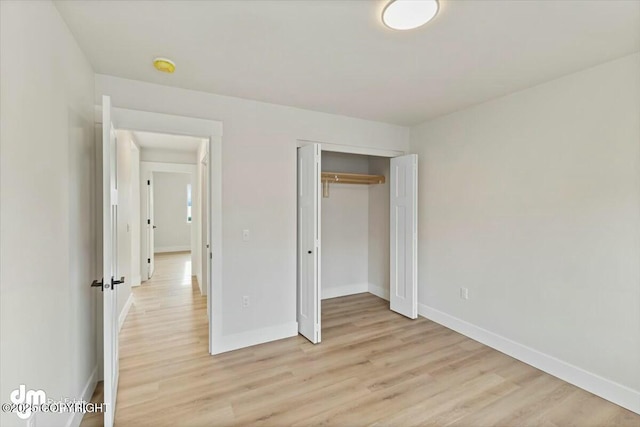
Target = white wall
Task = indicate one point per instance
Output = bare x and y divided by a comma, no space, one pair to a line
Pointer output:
345,163
258,192
167,156
344,228
379,254
135,214
47,238
170,207
124,164
532,202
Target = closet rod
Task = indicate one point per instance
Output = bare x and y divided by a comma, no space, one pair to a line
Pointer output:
351,178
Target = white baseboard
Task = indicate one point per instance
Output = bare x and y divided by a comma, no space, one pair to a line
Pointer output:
185,248
125,311
75,418
607,389
341,291
255,337
378,291
203,289
136,281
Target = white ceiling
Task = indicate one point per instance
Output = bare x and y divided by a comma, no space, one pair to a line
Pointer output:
337,57
167,142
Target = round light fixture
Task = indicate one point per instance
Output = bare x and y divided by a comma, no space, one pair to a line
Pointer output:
409,14
165,65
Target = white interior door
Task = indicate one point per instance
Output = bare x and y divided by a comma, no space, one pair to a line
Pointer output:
151,227
309,242
110,261
404,235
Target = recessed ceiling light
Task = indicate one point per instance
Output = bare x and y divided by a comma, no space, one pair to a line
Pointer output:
409,14
165,65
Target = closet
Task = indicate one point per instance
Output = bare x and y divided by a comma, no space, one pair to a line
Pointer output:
356,232
354,225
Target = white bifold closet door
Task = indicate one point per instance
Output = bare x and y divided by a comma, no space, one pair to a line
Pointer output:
404,235
309,242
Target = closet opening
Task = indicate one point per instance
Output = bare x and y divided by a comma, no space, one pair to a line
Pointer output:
354,224
357,231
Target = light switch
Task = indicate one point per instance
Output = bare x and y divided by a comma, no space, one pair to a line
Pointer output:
246,236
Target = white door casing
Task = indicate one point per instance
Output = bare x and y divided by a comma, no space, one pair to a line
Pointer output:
110,261
404,235
150,228
149,121
205,226
309,242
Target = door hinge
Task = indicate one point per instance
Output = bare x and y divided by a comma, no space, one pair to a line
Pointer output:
210,255
149,221
148,260
148,182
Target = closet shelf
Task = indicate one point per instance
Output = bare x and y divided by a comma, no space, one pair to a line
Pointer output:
351,178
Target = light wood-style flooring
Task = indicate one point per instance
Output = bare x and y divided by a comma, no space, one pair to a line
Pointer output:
374,367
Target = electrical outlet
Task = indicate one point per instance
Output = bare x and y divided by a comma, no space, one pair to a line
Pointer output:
245,301
246,235
464,293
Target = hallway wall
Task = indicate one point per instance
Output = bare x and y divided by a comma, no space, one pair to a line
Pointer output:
128,207
135,215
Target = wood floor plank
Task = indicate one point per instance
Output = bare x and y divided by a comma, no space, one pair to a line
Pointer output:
374,367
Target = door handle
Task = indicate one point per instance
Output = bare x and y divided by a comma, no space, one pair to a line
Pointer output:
96,284
309,252
117,282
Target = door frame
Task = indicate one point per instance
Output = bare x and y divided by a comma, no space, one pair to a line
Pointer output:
147,121
146,250
352,149
147,169
203,238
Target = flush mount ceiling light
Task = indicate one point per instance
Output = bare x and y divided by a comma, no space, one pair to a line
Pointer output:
165,65
409,14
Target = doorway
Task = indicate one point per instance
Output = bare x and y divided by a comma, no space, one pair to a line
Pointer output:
173,193
368,237
171,218
111,215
